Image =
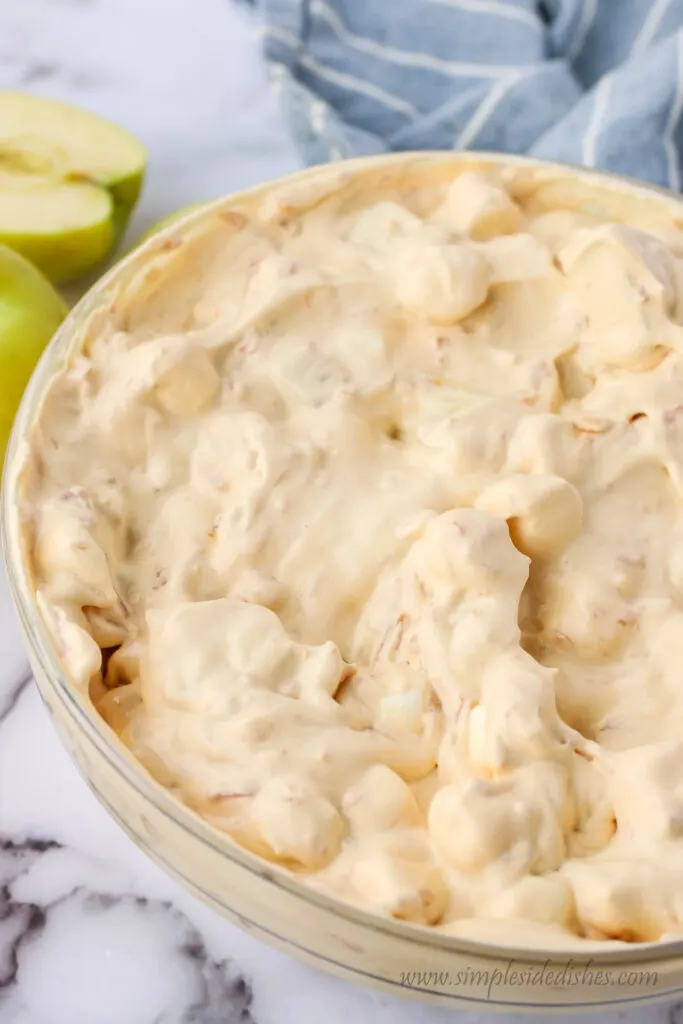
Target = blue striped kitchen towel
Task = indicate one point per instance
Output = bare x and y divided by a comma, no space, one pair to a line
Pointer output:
596,82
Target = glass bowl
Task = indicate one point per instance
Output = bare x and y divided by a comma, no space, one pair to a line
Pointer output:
257,896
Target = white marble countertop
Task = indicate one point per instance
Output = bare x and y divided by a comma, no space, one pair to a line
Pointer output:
91,932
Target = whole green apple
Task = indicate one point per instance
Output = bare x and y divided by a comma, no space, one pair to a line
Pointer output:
30,313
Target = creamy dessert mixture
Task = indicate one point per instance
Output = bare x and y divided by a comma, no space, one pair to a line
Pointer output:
358,512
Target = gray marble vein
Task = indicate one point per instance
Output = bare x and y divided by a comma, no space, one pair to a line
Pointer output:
19,922
11,691
214,990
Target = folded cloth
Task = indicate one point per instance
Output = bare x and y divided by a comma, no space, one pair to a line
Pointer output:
595,82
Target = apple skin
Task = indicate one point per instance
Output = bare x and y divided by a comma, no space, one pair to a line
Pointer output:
30,313
125,194
66,258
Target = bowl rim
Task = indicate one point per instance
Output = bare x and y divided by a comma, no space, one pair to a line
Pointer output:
83,711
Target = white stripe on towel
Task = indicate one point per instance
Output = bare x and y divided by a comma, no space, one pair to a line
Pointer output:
649,28
341,78
590,139
318,116
484,112
282,35
503,8
673,119
588,12
407,58
346,81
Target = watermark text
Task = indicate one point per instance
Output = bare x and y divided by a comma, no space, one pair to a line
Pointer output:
516,974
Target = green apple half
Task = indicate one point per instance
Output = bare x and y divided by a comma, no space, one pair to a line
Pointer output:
68,183
30,313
